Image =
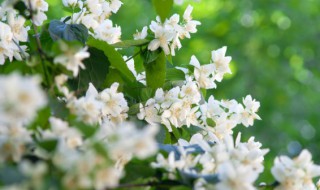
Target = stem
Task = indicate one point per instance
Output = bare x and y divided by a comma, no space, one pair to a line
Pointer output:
137,53
20,49
39,46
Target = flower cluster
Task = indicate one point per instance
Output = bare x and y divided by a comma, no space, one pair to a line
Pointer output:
108,106
178,133
20,98
184,105
94,14
12,32
72,58
207,74
297,173
168,34
236,165
88,167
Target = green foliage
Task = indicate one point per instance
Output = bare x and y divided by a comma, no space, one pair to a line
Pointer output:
97,68
69,32
130,43
163,8
114,57
174,74
155,66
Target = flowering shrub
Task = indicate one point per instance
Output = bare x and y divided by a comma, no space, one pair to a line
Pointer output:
75,113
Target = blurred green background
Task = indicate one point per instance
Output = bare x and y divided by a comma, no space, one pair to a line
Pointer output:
275,46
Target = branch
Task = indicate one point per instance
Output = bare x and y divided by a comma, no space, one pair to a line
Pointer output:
39,46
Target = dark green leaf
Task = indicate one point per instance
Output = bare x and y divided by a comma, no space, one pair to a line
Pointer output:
97,67
114,57
130,43
21,8
156,71
69,32
150,56
163,8
134,109
49,145
112,77
176,132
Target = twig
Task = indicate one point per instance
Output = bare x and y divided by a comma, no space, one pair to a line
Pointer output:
39,46
133,56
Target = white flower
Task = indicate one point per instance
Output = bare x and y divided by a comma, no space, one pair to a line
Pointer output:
248,114
190,91
107,177
39,7
127,141
141,35
234,177
115,5
88,108
95,7
106,32
297,173
89,20
221,62
114,102
69,3
191,25
203,74
16,22
60,129
20,98
149,112
13,141
7,47
162,38
72,58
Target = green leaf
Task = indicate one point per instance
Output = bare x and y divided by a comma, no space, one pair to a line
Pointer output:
86,130
138,61
42,119
49,145
163,8
114,57
69,32
169,59
97,67
203,92
130,43
156,71
112,77
150,56
134,109
146,94
176,132
174,74
210,122
167,139
22,9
